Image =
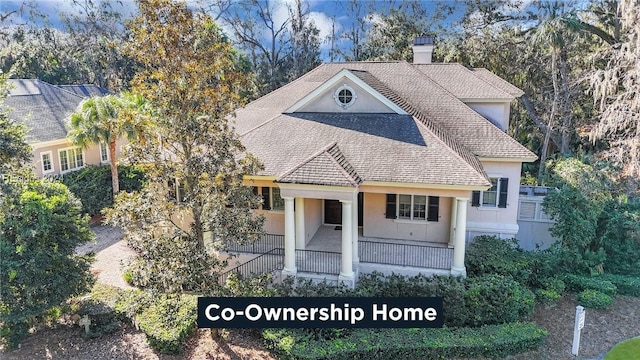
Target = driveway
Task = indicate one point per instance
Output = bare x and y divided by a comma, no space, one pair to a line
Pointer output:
111,254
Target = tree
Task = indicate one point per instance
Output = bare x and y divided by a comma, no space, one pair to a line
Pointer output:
194,199
101,119
616,93
14,152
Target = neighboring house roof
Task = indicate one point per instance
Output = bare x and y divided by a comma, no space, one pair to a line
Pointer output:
439,134
45,108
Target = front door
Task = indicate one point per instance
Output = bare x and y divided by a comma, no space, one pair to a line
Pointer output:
333,212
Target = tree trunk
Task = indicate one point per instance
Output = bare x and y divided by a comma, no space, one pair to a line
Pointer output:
547,135
115,183
567,120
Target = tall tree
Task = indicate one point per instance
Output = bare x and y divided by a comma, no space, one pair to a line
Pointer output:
14,152
616,92
192,78
102,120
305,41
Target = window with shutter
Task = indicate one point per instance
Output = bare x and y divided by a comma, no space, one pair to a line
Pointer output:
434,208
503,190
391,206
266,199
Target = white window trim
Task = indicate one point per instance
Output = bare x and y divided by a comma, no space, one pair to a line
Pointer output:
84,159
108,155
411,220
353,96
53,168
488,207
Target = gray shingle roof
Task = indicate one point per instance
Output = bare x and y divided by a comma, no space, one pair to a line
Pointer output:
461,81
327,167
43,108
86,90
497,81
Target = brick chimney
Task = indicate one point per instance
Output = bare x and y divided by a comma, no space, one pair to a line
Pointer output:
422,49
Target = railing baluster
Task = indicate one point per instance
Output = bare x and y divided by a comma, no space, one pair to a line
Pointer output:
411,255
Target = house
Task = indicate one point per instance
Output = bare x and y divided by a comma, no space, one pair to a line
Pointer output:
46,109
385,165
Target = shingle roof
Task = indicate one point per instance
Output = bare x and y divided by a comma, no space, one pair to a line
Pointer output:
86,90
42,107
461,82
497,81
440,133
327,167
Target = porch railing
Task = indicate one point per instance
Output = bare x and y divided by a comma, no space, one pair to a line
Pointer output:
424,256
270,261
266,243
319,262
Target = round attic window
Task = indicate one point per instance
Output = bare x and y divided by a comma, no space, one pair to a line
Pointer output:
345,96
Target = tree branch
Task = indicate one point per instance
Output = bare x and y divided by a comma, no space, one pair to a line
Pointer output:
524,100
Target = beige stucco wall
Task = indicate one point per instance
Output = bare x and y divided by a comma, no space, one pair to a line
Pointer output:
365,103
91,156
312,217
493,220
496,112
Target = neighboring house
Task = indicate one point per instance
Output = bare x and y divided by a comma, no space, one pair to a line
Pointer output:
407,162
46,110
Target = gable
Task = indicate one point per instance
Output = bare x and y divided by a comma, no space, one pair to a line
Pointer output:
363,102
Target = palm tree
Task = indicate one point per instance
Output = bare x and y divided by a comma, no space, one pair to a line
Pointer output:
105,119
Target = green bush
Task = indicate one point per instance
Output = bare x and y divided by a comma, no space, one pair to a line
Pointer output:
92,185
627,285
492,255
577,283
166,320
550,290
594,299
619,235
489,341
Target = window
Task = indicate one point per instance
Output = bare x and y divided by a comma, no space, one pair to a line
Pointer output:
277,202
71,159
532,210
412,207
47,162
495,196
104,153
345,96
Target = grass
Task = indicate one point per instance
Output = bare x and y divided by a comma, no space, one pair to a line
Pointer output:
628,349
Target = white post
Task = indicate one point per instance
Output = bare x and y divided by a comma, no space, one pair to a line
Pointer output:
577,327
346,270
355,210
452,227
289,238
458,268
301,239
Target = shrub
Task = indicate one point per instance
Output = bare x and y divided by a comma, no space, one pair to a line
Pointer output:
627,285
489,341
492,255
594,299
92,185
550,291
579,283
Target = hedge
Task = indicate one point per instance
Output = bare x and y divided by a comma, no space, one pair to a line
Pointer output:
594,299
627,285
579,283
166,320
492,341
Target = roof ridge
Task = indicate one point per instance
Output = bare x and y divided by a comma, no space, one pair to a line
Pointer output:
465,154
305,161
348,169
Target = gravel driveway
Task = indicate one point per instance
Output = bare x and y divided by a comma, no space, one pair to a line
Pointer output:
111,254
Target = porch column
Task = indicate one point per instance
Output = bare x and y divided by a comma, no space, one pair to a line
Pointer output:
289,238
356,259
452,228
300,232
458,268
346,270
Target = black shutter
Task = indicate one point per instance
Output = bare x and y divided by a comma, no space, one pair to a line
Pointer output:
434,208
504,189
266,203
171,187
391,206
254,189
475,198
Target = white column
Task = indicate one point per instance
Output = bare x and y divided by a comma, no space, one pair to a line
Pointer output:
289,238
458,268
346,270
452,228
300,232
355,210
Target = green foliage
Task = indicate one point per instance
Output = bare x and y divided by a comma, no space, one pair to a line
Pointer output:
578,283
40,227
626,285
492,255
166,319
14,151
619,235
92,185
495,341
550,291
594,299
